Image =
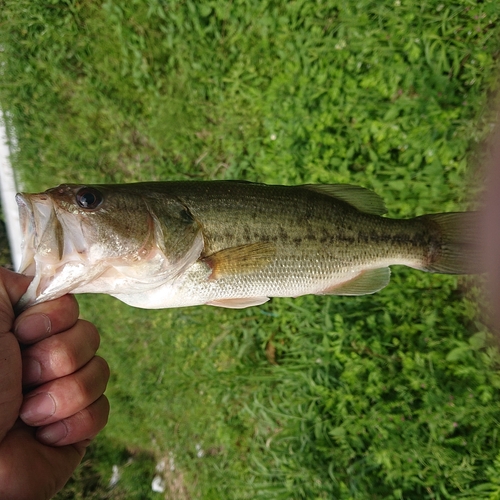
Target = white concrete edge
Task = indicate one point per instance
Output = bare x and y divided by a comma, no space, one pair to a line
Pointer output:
8,190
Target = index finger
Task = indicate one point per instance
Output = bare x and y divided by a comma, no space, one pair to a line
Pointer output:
45,319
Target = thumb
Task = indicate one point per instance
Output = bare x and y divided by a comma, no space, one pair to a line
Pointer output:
33,470
12,286
11,395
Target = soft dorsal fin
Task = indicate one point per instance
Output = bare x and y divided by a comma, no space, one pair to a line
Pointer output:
359,197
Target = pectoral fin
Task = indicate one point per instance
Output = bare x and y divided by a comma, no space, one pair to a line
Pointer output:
366,282
243,259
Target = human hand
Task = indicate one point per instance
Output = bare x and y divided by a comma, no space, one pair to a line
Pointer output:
51,392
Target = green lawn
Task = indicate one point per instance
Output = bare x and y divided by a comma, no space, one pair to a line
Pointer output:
395,395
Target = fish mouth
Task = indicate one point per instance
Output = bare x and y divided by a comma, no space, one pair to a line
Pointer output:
48,245
35,213
27,221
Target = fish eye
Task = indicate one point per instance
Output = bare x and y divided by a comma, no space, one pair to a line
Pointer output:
89,198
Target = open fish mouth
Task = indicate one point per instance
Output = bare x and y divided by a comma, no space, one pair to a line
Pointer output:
49,246
35,214
27,220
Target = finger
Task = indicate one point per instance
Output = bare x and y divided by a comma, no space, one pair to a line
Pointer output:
66,396
42,320
81,427
60,355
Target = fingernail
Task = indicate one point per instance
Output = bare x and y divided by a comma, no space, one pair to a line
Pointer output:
32,371
52,433
32,327
38,408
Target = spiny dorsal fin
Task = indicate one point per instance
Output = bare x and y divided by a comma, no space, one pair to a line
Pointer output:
243,259
359,197
369,281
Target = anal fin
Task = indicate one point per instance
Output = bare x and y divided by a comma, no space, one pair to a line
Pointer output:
366,282
238,303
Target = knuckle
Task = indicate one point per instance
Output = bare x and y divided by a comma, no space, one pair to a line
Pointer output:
100,413
55,358
63,360
93,383
69,302
103,366
88,417
91,420
83,390
93,337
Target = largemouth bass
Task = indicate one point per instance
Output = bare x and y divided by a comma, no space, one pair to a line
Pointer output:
227,243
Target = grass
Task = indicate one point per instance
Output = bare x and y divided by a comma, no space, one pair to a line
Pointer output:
395,395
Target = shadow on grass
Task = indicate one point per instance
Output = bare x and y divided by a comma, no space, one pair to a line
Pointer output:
107,462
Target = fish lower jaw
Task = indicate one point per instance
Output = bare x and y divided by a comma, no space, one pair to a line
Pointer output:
52,282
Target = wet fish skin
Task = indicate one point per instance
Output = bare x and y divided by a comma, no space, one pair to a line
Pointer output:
229,243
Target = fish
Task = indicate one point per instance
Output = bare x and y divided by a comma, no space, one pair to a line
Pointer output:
230,244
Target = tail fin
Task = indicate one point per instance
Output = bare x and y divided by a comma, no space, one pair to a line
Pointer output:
455,245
